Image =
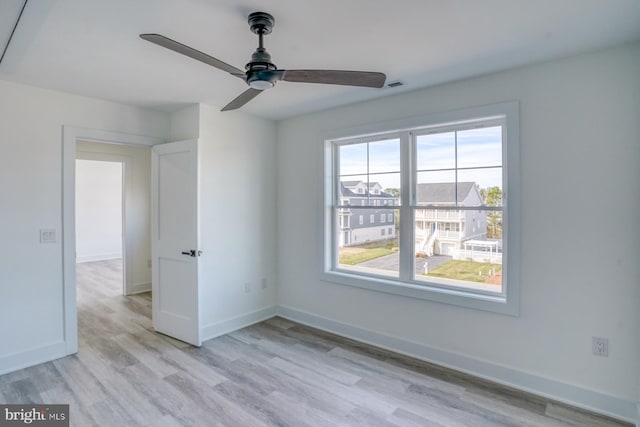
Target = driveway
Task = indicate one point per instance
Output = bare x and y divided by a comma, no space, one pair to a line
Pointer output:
392,262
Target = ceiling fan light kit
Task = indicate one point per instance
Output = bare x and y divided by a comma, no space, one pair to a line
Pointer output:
262,74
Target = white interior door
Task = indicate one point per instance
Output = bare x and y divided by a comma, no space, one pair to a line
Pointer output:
175,253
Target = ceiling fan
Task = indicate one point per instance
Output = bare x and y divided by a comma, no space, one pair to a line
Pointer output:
260,73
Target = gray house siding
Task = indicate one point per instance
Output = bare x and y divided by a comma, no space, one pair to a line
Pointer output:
377,224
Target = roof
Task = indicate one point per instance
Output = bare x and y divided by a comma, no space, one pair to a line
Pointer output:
345,192
443,192
354,183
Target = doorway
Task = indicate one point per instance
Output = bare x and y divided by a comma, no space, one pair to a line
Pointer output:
100,220
123,149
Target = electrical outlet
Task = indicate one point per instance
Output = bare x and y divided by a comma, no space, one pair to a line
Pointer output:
247,287
264,283
47,236
600,346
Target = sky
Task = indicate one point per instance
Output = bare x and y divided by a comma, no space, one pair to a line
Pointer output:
435,158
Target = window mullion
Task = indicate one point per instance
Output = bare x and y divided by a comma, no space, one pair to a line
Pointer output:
331,200
407,171
455,184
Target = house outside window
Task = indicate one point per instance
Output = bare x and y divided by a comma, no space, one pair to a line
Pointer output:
365,233
442,185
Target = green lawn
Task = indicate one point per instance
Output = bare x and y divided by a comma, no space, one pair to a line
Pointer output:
353,255
470,271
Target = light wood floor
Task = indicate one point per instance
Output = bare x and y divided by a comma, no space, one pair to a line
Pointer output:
276,373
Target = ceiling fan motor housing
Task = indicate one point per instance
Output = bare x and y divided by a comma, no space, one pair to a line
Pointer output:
260,61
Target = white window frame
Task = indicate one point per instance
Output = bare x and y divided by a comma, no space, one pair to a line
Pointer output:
509,300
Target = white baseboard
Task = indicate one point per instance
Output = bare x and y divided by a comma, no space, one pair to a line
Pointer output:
233,324
25,359
138,288
567,393
96,257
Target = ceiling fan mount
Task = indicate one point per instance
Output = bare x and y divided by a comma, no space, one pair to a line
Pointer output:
261,23
261,73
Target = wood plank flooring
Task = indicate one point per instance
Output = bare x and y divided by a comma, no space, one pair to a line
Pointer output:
276,373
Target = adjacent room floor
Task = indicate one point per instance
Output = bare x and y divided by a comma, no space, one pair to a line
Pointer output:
276,373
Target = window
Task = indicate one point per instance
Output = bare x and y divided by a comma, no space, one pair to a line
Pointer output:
455,236
361,219
372,218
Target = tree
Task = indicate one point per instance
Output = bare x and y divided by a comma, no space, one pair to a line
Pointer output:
393,191
492,196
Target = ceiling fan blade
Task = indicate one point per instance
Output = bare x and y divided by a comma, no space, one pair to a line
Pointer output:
242,99
336,77
192,53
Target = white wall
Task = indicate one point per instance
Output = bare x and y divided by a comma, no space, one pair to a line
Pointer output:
31,120
580,235
237,218
98,210
185,123
137,195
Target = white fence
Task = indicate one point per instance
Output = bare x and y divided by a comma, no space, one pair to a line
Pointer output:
478,256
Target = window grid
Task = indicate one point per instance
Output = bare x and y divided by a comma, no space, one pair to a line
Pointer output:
409,178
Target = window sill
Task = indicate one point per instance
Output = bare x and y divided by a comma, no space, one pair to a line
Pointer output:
459,297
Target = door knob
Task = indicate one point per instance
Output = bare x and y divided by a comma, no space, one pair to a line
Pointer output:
192,252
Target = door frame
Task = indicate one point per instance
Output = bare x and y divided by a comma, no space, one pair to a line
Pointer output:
71,134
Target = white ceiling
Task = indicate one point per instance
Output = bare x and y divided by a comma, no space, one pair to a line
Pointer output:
92,48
